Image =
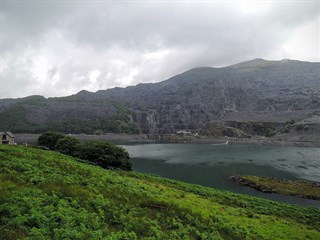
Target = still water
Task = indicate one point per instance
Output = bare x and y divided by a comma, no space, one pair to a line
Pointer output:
210,165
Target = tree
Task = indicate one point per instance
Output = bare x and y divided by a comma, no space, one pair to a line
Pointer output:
68,145
105,154
49,139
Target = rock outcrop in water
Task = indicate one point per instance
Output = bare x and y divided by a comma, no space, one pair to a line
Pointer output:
298,188
255,185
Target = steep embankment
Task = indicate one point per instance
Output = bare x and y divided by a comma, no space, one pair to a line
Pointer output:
45,195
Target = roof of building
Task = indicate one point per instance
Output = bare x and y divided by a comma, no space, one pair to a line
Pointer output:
183,131
7,133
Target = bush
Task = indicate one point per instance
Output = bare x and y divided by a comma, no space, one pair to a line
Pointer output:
68,145
270,133
301,127
290,121
286,129
49,139
106,155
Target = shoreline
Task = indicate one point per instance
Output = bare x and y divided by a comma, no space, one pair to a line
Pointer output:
23,138
298,188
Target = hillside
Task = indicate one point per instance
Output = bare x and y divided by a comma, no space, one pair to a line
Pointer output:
72,114
47,195
279,90
270,93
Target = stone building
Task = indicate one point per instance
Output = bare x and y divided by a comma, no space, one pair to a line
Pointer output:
6,138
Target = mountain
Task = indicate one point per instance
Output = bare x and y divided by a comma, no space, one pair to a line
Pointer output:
256,91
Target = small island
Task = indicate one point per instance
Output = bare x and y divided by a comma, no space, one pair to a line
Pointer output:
299,188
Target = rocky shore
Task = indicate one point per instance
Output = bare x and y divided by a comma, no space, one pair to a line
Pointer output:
298,188
255,185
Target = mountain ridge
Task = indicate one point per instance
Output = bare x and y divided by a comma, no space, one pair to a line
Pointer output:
192,100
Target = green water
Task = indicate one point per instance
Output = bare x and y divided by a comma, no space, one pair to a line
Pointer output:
210,165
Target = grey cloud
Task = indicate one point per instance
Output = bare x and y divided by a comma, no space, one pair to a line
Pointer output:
148,26
16,79
289,13
73,39
24,22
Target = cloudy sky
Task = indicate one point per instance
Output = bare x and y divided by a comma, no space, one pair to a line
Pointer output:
57,48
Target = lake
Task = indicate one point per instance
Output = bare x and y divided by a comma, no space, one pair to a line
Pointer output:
210,165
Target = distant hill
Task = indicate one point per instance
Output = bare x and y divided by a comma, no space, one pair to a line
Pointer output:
261,91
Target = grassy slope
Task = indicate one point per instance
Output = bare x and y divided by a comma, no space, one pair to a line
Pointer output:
289,187
44,195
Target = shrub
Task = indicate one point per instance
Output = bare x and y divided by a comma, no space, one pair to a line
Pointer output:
286,129
98,132
49,139
68,145
291,121
105,154
270,133
301,127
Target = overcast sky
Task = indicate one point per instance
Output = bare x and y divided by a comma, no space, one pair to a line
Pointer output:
57,48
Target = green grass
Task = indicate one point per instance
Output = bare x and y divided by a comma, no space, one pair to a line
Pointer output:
47,195
289,187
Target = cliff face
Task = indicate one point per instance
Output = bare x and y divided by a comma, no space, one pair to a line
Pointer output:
194,99
253,91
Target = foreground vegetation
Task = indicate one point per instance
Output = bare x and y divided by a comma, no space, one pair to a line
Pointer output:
48,195
298,188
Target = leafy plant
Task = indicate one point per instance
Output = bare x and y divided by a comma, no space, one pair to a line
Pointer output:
49,139
67,145
105,154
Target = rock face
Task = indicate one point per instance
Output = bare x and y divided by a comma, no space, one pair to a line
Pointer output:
258,90
254,91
